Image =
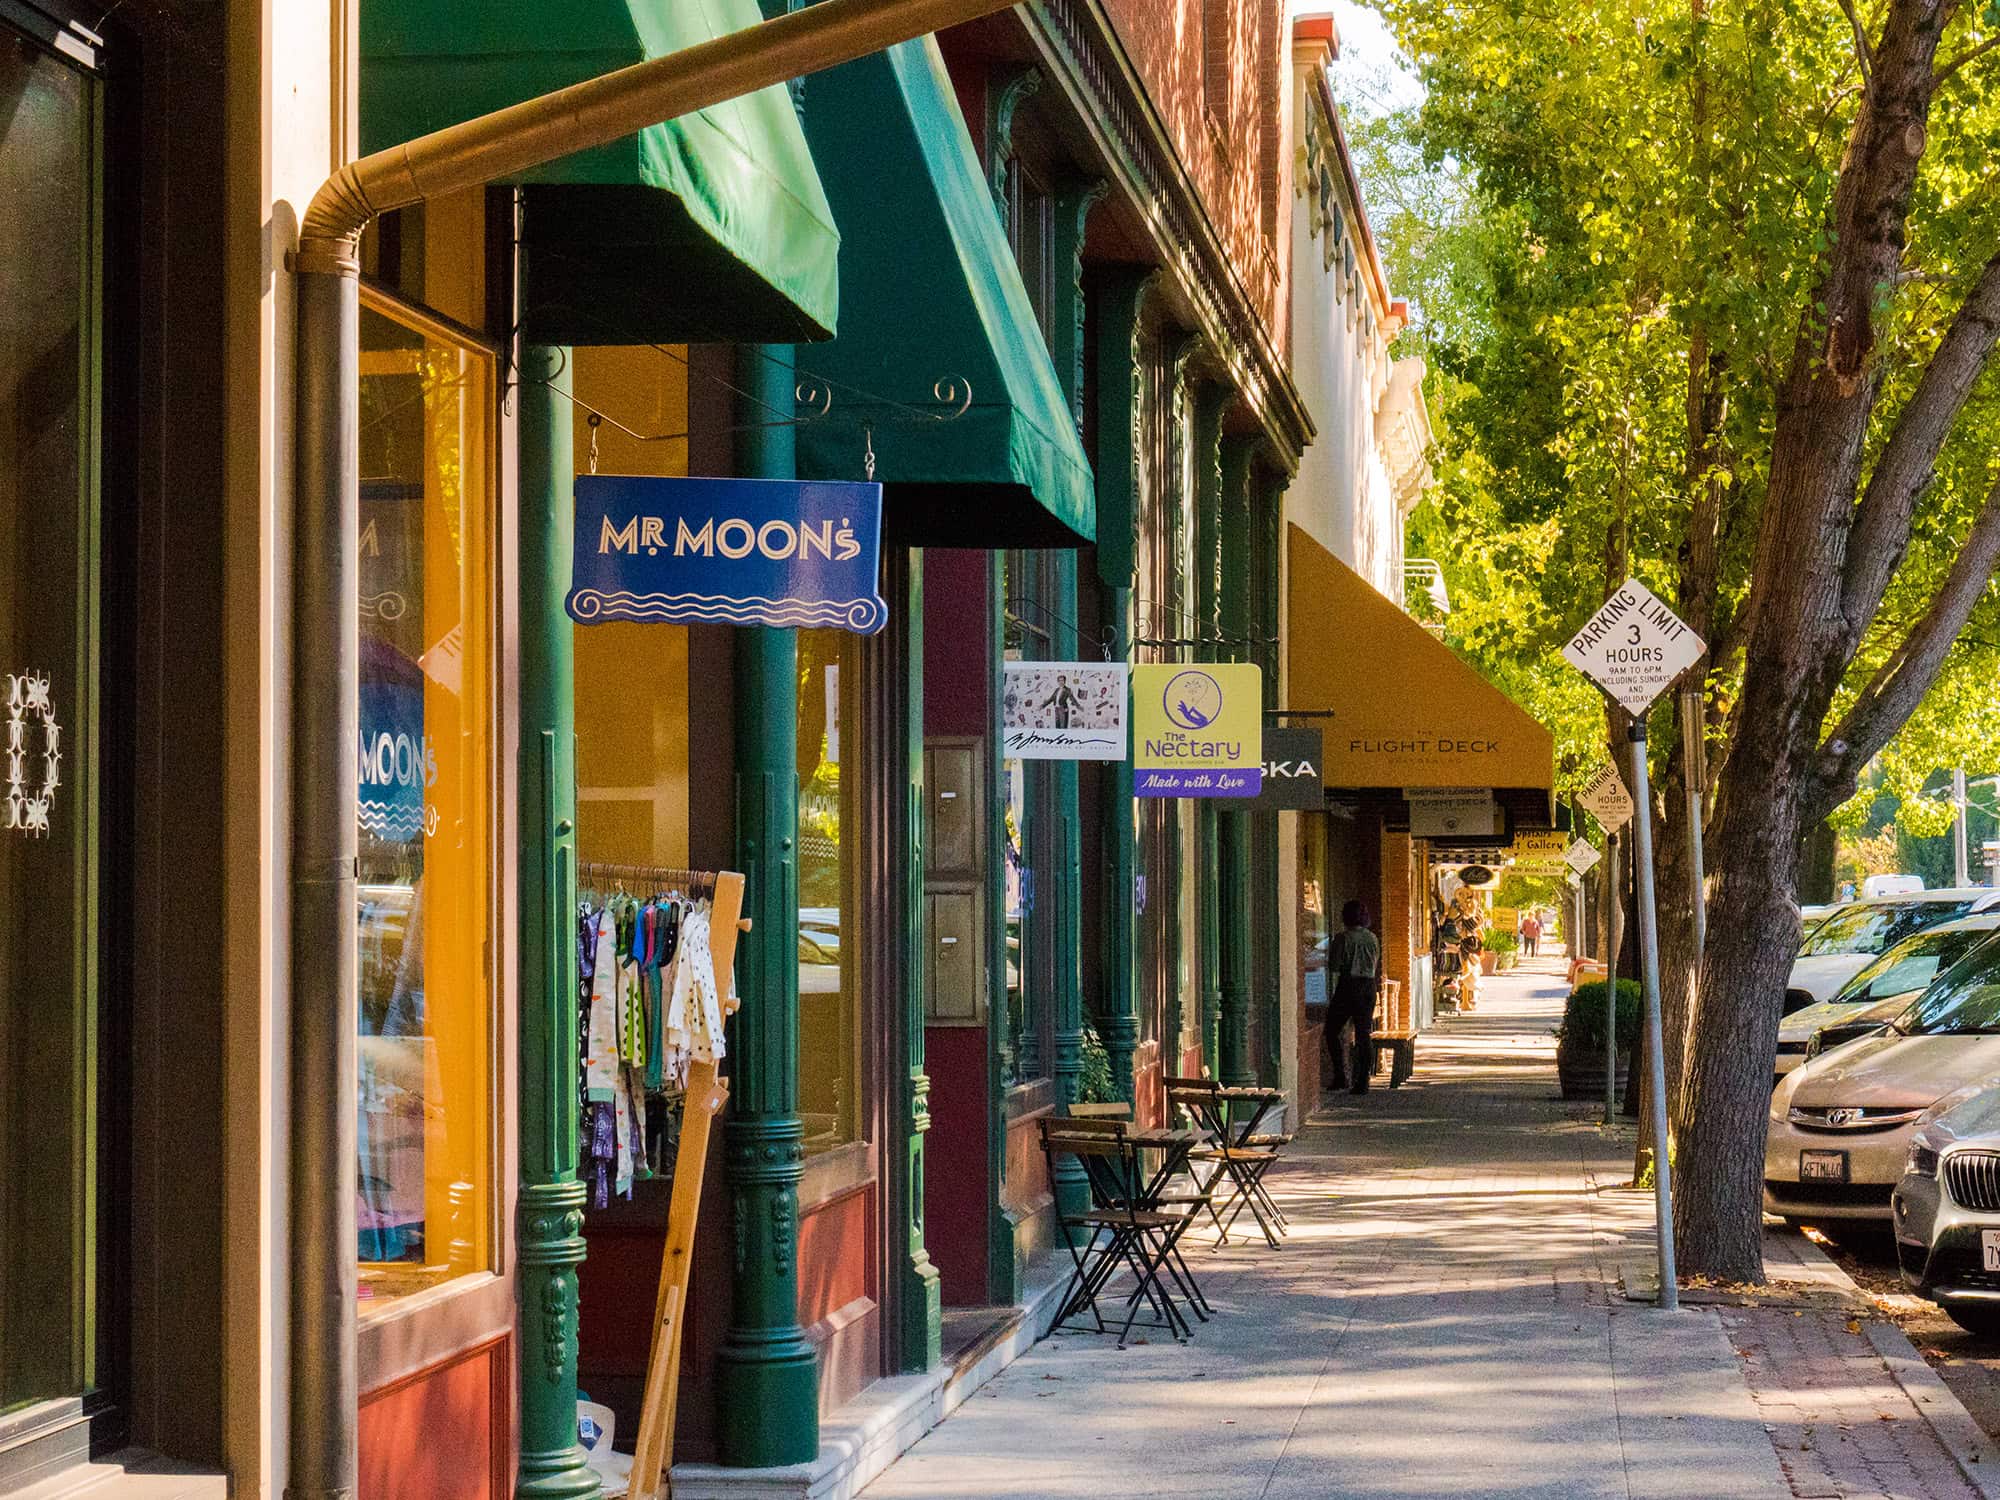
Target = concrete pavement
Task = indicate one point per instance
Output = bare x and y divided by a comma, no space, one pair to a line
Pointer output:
1444,1319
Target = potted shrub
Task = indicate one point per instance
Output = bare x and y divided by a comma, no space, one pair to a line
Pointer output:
1580,1038
1504,949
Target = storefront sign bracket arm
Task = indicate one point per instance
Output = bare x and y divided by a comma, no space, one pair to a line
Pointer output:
326,650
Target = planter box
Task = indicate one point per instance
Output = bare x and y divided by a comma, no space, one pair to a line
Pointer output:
1488,961
1583,1077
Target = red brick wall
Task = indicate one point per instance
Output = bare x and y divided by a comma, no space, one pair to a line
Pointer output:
1192,52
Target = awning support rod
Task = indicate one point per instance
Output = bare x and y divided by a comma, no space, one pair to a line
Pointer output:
325,674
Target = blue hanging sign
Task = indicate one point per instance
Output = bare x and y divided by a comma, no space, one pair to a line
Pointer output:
727,552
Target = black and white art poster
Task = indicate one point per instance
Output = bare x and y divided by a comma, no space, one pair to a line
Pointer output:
1064,710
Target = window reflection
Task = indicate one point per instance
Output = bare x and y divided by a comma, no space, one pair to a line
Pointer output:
828,938
426,1088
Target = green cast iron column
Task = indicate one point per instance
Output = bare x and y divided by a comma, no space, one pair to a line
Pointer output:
1074,201
552,1196
1210,403
1121,303
767,1375
920,1294
1266,524
1233,872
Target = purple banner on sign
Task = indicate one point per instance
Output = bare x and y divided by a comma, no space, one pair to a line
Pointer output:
1193,783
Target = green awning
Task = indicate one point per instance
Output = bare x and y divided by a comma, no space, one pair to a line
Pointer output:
709,227
931,295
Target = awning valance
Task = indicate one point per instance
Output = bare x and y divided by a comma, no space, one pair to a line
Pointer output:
709,227
931,296
1402,709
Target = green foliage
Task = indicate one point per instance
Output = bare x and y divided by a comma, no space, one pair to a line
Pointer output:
1502,943
1583,1017
1093,1082
1594,201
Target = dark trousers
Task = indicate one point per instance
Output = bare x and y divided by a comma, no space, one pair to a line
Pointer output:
1354,1003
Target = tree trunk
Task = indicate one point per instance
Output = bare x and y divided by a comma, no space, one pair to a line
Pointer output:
1719,1128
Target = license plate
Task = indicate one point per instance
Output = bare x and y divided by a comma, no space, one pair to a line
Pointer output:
1989,1248
1823,1166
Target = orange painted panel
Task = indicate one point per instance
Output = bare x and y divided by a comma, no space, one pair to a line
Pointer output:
1027,1166
442,1433
837,1255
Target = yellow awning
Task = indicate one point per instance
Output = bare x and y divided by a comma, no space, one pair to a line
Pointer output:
1402,710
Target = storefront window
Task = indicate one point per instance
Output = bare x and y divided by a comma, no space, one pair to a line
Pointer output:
49,1224
1315,929
427,1137
829,910
1025,802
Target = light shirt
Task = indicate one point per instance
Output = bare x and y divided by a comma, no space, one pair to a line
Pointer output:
1356,951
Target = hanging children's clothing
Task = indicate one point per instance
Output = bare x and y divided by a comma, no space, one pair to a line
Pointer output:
647,1004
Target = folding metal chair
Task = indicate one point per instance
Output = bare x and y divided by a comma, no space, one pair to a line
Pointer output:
1120,1234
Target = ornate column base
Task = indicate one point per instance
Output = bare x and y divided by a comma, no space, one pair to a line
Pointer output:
552,1463
767,1372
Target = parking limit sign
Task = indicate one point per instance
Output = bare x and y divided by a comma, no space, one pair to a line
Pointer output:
1634,646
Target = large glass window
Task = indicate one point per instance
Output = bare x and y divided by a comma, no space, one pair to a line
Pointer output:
1027,794
427,1140
829,908
49,1221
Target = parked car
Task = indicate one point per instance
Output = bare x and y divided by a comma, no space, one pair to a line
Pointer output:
1840,1124
1834,951
1880,991
1946,1209
1890,885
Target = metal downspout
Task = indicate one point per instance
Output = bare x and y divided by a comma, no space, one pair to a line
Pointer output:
325,673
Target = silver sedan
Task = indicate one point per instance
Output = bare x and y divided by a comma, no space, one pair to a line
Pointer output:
1946,1208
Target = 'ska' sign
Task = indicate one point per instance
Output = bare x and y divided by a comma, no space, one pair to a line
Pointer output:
1634,646
1198,730
727,552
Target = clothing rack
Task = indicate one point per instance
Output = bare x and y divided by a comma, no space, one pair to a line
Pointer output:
703,1101
594,876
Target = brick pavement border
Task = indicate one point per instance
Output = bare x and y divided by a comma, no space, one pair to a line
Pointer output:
1962,1438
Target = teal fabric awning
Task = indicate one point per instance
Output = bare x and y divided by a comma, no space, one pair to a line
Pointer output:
931,295
710,227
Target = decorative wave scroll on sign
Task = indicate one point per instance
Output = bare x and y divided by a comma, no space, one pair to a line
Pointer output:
863,616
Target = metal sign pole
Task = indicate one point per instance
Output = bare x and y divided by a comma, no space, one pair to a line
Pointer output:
1614,908
1694,734
1649,971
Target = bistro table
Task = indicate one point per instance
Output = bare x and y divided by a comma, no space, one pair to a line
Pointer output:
1242,1153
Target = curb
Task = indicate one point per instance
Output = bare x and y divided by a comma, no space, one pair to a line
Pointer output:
1971,1449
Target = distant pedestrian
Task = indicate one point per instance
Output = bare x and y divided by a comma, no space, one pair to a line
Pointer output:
1354,968
1531,934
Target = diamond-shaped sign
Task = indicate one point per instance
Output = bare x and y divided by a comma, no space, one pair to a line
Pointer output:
1634,646
1581,856
1607,799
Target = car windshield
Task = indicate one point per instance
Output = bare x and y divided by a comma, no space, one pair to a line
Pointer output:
1964,998
1870,928
1910,965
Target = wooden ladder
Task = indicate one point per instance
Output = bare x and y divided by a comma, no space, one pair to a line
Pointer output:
703,1101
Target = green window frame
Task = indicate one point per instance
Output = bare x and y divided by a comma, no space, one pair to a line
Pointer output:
59,1369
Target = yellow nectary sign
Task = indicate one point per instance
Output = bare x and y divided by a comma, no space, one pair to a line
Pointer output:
1197,730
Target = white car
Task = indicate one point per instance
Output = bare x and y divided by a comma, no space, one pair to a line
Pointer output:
1842,944
1880,991
1840,1124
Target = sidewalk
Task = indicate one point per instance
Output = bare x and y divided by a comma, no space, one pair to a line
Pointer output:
1445,1319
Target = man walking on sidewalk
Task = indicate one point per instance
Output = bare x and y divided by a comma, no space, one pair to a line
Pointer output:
1354,965
1531,934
